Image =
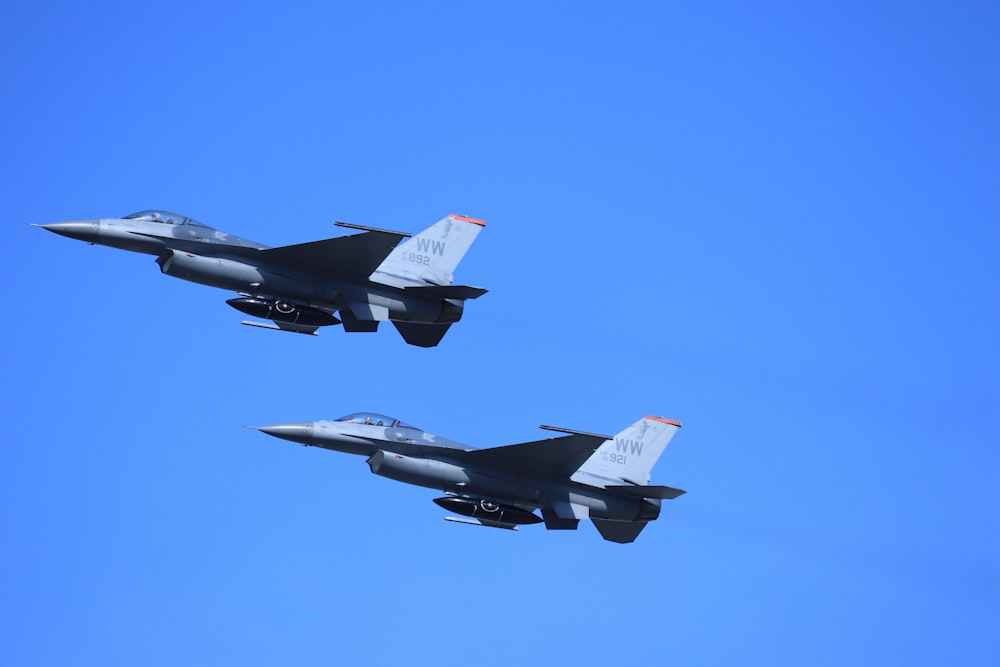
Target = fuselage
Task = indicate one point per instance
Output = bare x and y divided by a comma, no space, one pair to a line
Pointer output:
197,253
407,454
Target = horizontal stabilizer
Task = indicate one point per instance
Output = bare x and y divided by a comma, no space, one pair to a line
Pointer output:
449,291
481,522
662,492
282,326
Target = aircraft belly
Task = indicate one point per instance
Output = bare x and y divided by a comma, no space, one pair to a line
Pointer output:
519,491
540,493
235,273
381,305
212,271
598,503
619,509
430,473
292,286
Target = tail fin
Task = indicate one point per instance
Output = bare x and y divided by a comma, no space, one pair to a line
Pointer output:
631,454
431,256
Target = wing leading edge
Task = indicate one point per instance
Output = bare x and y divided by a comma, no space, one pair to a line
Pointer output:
553,456
356,255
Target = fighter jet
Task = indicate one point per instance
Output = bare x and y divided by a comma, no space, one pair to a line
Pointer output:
575,476
365,278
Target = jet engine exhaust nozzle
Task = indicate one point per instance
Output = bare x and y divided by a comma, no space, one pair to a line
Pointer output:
451,311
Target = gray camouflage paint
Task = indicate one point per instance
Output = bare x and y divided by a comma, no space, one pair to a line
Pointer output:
368,278
568,478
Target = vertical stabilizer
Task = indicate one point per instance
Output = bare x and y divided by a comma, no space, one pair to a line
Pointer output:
630,455
431,256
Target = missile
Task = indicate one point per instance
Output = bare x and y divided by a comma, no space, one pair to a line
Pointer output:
483,522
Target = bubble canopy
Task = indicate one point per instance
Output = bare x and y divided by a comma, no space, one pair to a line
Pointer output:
374,419
166,217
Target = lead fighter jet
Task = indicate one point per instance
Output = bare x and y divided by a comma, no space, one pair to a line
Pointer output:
365,278
576,476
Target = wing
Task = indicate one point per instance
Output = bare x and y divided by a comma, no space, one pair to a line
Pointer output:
355,256
554,456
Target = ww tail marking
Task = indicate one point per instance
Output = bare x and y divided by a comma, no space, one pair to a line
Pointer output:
431,246
623,445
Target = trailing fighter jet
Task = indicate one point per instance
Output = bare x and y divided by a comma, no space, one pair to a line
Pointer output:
365,278
575,476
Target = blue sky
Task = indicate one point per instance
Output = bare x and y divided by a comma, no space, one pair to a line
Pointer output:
775,223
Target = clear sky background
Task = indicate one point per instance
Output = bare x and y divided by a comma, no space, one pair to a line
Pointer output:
777,223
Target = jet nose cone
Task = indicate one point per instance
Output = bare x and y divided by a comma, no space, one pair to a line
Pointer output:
81,230
297,432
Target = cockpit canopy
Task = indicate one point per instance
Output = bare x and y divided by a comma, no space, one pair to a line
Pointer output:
165,217
374,419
